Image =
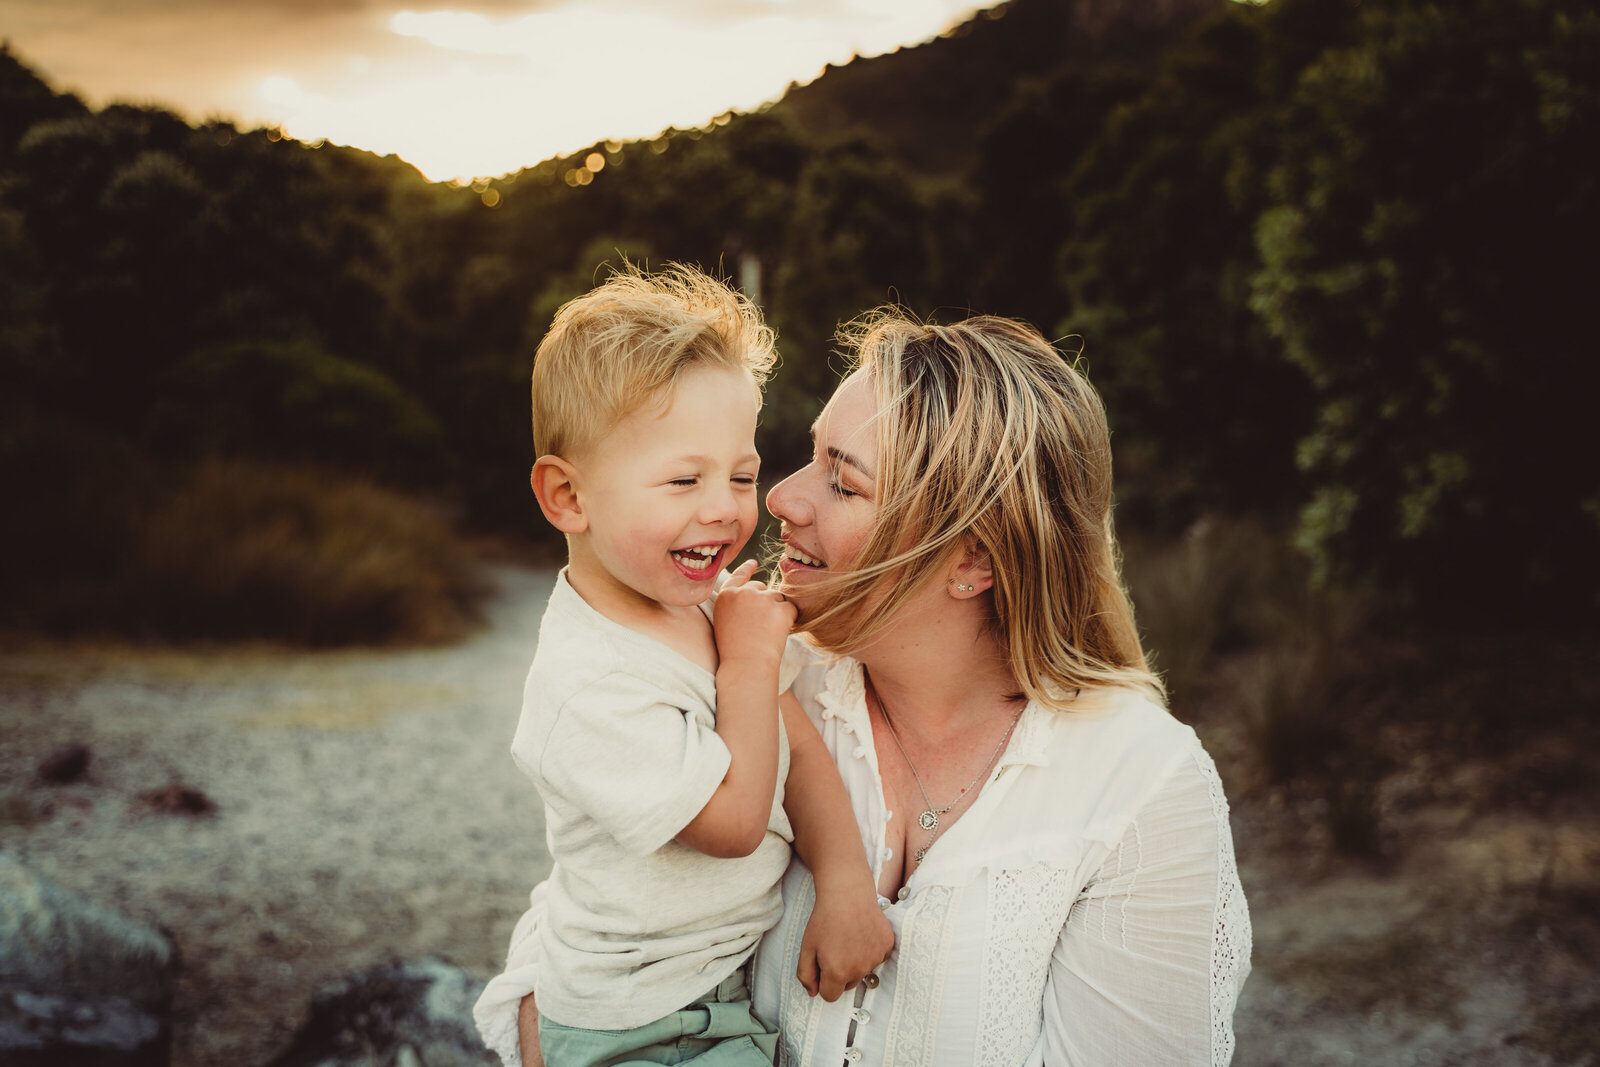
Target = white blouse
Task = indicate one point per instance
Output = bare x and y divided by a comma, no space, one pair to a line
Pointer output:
1085,910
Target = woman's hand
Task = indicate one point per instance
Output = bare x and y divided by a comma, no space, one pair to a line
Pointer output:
751,621
846,939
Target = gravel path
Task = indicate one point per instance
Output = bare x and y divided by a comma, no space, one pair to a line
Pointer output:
366,808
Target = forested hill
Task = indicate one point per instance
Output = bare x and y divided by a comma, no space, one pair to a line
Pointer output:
928,103
1329,261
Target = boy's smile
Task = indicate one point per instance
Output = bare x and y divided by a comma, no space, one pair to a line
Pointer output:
701,561
669,496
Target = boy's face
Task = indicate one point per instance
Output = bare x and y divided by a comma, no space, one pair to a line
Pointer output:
670,493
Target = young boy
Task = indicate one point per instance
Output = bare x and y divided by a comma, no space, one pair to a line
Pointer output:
652,723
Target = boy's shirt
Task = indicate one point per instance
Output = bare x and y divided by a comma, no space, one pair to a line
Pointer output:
618,732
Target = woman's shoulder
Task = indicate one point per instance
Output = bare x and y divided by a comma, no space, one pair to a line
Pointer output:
1117,715
1111,738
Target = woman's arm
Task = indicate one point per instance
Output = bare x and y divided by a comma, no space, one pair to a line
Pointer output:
1155,949
847,935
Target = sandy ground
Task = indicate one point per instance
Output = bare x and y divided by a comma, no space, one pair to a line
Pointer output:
367,810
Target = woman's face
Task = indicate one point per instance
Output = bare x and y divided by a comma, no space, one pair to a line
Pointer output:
827,507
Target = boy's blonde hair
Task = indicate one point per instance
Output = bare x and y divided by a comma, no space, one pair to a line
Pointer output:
618,346
990,440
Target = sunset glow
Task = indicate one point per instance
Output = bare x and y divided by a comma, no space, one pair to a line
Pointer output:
468,92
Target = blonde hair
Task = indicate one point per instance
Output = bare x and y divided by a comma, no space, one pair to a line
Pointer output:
990,440
624,342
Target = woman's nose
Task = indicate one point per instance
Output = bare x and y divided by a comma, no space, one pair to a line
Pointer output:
784,501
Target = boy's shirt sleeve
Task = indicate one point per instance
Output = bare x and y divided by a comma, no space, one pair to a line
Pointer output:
635,764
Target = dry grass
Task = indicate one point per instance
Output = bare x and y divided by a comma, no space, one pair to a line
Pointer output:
1221,586
245,551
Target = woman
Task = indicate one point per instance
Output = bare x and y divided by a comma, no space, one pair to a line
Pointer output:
1051,846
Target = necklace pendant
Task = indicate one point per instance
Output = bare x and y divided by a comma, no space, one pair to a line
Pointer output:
928,820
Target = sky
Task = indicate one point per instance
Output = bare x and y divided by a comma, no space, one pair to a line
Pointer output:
475,90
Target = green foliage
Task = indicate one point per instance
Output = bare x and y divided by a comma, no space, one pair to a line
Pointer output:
1333,257
923,104
290,400
1156,269
1323,255
1423,259
26,100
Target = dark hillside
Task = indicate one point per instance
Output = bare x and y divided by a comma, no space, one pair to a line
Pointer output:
926,104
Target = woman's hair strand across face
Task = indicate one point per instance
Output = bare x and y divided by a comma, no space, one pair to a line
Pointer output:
991,441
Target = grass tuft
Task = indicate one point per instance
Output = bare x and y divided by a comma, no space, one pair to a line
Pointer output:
247,551
1216,588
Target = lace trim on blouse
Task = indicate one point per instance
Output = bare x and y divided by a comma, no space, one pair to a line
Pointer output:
1027,908
1230,945
924,949
795,1014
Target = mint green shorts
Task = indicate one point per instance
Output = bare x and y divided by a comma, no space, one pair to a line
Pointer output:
720,1029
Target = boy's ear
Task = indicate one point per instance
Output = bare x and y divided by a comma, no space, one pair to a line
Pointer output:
555,486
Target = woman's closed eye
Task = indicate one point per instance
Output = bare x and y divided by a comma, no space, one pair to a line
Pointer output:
838,488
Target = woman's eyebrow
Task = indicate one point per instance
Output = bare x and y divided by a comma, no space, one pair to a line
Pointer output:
841,455
845,457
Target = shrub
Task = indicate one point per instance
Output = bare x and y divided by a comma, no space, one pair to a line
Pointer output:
1220,585
247,551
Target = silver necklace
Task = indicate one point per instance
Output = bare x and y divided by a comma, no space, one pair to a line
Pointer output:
929,818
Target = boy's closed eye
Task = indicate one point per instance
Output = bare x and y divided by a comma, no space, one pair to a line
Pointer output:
692,479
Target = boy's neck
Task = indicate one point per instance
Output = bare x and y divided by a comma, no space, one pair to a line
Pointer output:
684,629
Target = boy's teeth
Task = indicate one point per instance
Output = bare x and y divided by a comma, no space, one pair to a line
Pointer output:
697,558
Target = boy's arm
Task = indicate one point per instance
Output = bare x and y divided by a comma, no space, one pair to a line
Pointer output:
528,1032
847,935
751,624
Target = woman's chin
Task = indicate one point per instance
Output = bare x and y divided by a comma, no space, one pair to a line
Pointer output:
796,582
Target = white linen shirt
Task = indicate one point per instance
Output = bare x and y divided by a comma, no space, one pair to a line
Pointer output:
1085,911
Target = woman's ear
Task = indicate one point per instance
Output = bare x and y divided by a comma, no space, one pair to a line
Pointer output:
555,486
971,573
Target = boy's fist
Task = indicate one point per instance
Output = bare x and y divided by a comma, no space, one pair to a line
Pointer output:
751,621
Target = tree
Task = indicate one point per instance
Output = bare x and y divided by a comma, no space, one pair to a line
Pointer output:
1156,268
1427,260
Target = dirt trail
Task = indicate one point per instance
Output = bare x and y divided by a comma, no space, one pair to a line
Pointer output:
367,810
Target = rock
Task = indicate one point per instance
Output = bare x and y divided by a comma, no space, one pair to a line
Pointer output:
16,809
80,984
419,1012
178,800
66,764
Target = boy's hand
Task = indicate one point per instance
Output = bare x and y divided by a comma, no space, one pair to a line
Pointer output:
846,939
751,621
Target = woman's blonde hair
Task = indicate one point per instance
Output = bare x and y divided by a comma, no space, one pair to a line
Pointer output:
618,346
990,441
